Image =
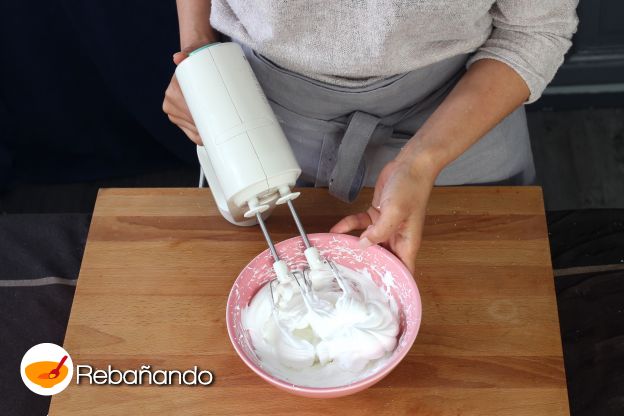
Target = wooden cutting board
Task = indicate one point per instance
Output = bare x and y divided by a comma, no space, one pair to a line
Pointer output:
159,264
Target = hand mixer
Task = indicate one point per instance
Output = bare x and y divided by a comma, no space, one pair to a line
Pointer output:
245,156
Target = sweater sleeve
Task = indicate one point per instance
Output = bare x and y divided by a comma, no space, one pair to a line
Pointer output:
531,36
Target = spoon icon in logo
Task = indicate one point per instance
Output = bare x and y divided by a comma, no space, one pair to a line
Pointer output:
44,376
55,372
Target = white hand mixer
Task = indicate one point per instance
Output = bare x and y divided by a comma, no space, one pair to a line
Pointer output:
245,156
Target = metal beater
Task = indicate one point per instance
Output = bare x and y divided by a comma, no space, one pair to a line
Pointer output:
300,277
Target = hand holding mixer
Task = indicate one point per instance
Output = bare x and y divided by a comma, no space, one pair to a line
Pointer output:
246,158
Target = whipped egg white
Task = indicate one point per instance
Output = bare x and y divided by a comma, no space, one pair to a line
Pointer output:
335,338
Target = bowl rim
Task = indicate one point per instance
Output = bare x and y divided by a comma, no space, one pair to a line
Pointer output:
355,386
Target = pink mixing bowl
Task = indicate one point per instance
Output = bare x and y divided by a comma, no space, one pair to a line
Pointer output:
344,250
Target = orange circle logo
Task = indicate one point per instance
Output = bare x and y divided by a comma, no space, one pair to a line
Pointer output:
46,369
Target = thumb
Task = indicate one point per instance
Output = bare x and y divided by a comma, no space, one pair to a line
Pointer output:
390,219
179,57
407,245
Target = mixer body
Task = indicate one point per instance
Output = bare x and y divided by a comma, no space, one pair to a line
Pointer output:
245,156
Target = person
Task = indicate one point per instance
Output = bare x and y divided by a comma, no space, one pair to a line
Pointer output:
402,95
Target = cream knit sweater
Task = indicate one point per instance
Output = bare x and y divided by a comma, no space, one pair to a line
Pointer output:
355,42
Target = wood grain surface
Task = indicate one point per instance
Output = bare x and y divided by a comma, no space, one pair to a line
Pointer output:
159,264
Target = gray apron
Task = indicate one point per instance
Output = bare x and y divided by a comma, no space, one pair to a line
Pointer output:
342,137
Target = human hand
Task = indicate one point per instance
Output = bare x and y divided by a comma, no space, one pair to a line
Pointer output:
488,92
396,217
175,106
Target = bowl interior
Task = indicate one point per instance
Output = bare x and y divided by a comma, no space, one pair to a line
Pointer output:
386,270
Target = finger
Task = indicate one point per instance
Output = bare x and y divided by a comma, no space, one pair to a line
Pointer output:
408,243
183,122
380,183
173,108
188,128
387,246
179,57
174,98
357,221
174,103
376,202
391,217
193,136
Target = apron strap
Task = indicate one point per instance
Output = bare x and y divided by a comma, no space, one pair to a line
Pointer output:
347,176
341,161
